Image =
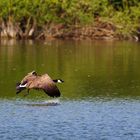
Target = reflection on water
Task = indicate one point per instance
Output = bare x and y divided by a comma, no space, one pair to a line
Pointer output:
89,69
100,96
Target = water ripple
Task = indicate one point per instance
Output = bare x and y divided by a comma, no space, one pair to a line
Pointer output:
115,119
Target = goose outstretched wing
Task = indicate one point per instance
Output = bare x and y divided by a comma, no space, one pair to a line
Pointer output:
45,83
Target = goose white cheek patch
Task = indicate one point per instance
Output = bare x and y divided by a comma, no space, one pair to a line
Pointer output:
59,81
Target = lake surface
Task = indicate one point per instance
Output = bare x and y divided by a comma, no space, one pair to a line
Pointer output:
100,98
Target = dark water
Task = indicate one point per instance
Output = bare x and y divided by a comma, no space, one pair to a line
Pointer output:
100,97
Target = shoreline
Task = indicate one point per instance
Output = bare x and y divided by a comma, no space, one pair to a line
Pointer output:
98,31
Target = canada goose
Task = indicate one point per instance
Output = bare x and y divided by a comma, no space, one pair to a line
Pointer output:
34,81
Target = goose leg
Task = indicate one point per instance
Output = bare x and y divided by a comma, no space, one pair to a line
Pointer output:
27,93
28,90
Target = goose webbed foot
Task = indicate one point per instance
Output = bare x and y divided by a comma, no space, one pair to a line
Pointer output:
26,95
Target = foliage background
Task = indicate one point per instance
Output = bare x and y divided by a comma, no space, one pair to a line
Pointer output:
125,14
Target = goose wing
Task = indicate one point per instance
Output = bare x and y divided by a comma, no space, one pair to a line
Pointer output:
45,83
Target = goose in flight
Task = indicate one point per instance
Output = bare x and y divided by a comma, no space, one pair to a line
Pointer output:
39,82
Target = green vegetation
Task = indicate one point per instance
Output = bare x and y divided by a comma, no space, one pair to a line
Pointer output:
126,15
44,11
28,15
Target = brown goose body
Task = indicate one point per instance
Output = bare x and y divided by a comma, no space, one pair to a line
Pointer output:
41,82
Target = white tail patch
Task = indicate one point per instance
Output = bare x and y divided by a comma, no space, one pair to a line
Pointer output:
22,85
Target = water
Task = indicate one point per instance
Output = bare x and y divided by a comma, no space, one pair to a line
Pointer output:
100,97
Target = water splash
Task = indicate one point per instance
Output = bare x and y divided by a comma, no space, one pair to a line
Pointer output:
53,102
